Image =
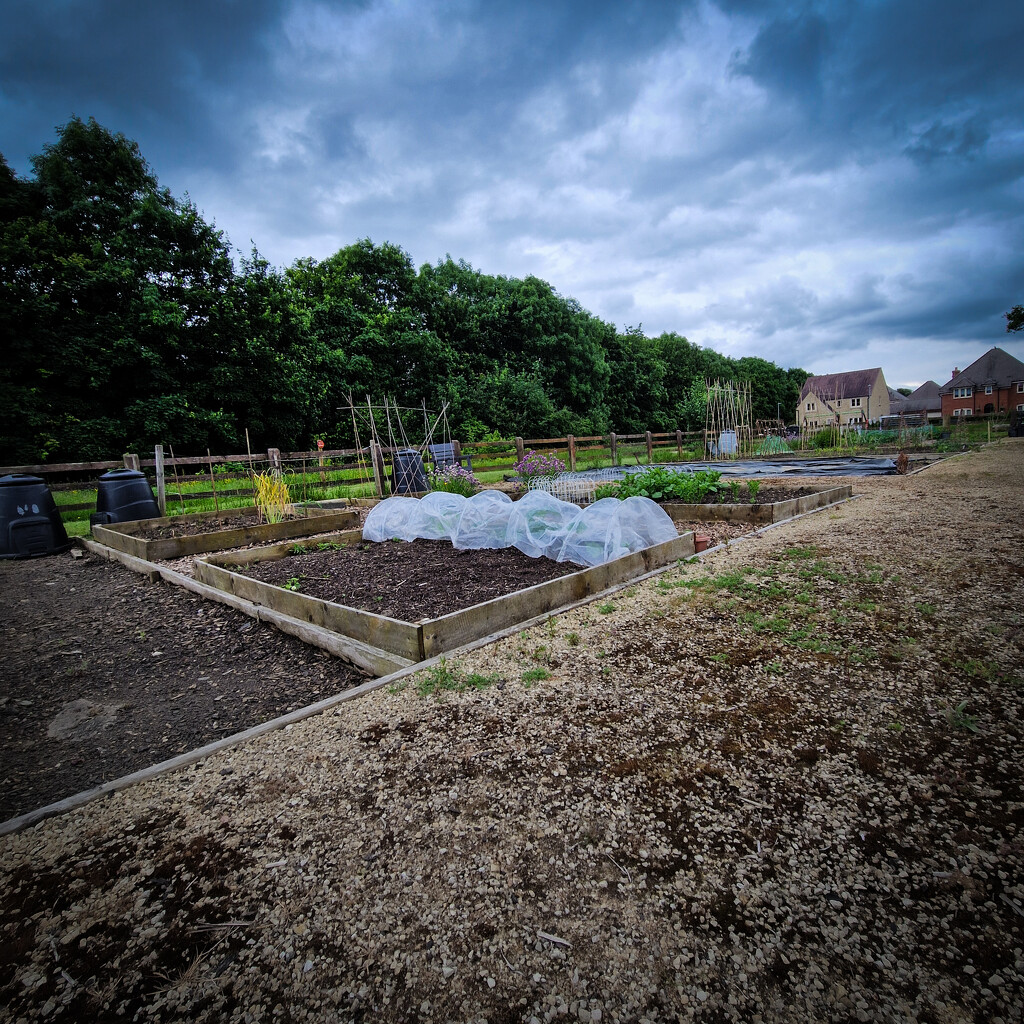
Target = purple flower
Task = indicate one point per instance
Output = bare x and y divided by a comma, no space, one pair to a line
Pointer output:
535,464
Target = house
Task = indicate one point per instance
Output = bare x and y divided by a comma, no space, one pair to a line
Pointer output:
991,385
858,397
923,405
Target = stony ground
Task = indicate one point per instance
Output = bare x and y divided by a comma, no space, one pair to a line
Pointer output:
782,784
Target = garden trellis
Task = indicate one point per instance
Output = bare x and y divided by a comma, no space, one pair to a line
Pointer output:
728,429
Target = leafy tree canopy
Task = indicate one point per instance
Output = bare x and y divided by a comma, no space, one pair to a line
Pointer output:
127,323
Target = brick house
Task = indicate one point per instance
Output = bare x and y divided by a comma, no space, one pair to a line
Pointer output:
991,385
858,397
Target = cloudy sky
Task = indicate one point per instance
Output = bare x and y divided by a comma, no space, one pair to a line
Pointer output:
834,185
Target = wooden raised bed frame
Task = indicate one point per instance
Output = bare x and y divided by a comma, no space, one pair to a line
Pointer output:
124,536
429,637
760,514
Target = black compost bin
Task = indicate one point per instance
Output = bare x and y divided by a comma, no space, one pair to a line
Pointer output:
407,472
30,524
123,495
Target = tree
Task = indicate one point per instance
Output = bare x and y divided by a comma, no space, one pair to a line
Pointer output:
1015,319
116,293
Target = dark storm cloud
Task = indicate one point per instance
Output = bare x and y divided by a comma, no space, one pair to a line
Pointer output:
825,183
168,72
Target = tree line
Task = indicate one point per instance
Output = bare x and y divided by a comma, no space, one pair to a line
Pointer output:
128,323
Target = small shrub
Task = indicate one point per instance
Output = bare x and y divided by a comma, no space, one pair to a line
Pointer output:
753,486
534,465
455,480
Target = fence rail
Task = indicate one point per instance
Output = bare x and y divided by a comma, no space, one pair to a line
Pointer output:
361,467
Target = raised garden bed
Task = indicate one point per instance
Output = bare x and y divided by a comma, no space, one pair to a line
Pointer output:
761,512
201,532
424,637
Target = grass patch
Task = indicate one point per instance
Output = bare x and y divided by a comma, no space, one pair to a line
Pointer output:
535,675
447,678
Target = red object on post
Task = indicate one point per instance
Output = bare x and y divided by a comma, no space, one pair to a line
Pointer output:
701,541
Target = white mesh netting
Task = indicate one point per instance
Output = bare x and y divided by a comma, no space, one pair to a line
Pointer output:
538,524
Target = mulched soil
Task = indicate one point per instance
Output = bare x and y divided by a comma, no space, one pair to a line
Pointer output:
765,495
409,581
192,529
105,673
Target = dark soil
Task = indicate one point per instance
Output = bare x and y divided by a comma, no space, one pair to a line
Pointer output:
191,529
409,581
141,671
765,495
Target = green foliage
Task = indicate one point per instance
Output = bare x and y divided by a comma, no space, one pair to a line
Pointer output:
447,678
535,675
753,486
661,484
960,718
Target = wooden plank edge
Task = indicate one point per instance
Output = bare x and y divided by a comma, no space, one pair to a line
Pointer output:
108,789
362,655
402,638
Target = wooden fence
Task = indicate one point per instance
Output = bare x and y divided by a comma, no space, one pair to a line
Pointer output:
352,467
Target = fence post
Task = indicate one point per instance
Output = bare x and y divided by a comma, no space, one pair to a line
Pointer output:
571,439
131,461
614,438
274,458
650,447
457,450
161,483
679,443
520,450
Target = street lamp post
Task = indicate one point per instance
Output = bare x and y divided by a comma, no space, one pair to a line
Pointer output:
869,406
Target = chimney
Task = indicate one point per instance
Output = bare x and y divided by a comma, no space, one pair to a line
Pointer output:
956,370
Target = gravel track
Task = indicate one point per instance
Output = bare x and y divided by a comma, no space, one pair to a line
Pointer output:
781,784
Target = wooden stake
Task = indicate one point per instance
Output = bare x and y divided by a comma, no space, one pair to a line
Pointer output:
161,483
252,473
213,485
174,463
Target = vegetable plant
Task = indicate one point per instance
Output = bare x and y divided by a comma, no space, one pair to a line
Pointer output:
662,484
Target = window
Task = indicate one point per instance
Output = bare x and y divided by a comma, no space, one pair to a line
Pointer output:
1020,408
855,402
1020,388
810,407
963,412
988,389
963,392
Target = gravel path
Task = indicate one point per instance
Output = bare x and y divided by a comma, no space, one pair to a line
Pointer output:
782,784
